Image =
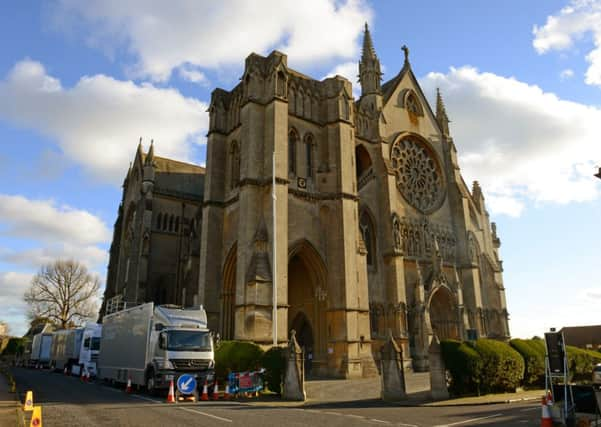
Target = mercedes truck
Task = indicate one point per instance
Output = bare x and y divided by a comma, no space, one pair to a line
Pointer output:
88,352
152,345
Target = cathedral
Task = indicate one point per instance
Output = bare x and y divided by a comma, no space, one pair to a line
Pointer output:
376,232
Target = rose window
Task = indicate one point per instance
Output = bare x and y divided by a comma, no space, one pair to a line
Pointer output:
418,174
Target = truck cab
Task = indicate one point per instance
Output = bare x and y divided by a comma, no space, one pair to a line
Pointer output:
90,347
181,343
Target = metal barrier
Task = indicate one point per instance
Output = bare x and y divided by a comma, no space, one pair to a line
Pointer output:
245,382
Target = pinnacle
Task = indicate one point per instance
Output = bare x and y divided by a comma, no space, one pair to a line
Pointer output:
369,52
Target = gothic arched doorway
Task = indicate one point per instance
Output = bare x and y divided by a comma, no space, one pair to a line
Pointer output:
307,300
443,314
228,294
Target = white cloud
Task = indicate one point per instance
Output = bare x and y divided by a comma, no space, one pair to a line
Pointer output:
164,36
92,257
520,142
568,73
98,122
43,220
569,25
193,75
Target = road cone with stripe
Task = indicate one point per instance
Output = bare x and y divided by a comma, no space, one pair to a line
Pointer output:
216,391
171,394
87,376
65,371
205,392
128,388
545,420
226,393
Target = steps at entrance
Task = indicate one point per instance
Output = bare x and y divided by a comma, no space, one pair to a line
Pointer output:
332,390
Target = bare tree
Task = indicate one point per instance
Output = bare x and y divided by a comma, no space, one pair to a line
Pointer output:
64,292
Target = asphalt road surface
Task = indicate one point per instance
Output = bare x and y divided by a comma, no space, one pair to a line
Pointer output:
66,401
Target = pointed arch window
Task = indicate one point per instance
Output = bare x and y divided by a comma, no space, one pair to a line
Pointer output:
235,165
177,224
171,223
159,221
309,155
369,237
292,140
165,220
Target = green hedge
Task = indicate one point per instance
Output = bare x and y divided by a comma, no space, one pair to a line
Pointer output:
274,362
15,346
502,366
464,365
534,359
236,356
581,362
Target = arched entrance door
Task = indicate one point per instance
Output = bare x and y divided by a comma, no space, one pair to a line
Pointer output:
307,300
443,314
228,294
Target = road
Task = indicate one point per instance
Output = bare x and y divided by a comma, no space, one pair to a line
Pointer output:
66,401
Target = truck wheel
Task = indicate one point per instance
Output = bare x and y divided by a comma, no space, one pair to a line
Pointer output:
150,387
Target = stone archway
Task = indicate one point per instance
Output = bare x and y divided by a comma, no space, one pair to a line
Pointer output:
228,295
443,314
307,300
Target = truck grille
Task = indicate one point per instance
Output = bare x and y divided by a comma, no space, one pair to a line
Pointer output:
190,364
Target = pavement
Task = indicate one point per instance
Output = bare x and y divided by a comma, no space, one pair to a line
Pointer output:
8,404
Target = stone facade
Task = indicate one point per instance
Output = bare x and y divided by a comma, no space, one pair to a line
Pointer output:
376,229
156,243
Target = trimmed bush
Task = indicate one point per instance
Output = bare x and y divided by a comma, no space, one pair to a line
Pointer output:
502,366
534,359
274,362
581,362
14,346
236,356
464,365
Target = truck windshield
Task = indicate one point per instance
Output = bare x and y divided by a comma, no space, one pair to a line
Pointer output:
96,343
188,341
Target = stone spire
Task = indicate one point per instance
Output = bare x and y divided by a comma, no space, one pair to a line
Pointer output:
369,67
441,114
150,156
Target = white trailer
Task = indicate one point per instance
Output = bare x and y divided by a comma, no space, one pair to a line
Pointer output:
152,345
90,347
66,344
40,349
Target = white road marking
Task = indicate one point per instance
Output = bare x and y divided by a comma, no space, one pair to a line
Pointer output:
331,413
406,425
469,421
227,420
530,409
137,396
354,416
379,421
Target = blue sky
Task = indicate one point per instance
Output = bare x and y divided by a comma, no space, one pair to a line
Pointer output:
81,82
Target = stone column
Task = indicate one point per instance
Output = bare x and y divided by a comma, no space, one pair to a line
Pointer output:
393,377
438,380
294,377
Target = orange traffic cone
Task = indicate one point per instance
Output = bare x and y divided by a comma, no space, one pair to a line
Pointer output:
549,398
65,371
216,391
171,395
205,392
226,393
128,388
87,376
545,420
82,376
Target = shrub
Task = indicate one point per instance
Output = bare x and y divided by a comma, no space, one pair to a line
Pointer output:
534,360
274,362
464,365
581,362
236,356
15,346
502,366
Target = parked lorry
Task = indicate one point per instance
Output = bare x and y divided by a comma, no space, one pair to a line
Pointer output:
88,353
66,345
152,345
40,349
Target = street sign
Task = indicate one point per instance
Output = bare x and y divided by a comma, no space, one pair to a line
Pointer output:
186,384
555,352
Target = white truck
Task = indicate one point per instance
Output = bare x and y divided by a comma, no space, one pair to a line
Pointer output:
64,352
40,349
88,353
152,345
